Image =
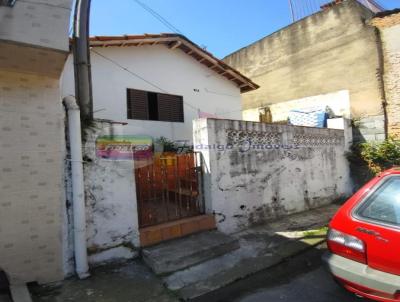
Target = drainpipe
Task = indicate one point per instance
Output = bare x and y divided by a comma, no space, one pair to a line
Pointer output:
81,52
78,193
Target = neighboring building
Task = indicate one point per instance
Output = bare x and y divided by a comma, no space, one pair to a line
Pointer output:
168,82
145,87
331,58
33,50
389,28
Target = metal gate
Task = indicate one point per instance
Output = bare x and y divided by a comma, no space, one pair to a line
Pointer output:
169,187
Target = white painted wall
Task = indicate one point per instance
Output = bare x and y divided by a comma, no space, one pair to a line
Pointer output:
112,214
171,70
338,102
110,185
302,168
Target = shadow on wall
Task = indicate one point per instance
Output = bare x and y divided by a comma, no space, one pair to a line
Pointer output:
4,283
359,170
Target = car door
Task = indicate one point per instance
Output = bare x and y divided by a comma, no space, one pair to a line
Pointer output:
378,216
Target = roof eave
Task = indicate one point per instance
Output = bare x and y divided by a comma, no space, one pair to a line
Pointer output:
187,46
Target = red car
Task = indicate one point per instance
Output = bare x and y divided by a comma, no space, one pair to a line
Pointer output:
364,240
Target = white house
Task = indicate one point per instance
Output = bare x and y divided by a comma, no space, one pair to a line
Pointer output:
169,80
151,86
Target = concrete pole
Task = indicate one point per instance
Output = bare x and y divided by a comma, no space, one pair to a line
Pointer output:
81,52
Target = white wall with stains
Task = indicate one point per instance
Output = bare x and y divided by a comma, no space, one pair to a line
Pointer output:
111,209
256,172
337,102
158,69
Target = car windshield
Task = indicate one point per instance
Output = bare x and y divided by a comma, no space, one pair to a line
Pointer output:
383,204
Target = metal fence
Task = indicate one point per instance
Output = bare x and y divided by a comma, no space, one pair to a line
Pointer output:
169,187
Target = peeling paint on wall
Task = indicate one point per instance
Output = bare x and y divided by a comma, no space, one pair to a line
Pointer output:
269,171
112,221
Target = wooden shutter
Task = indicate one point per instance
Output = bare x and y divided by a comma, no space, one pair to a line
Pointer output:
137,105
170,108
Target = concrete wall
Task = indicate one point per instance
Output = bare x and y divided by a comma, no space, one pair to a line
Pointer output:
112,214
171,71
33,49
32,201
389,28
258,172
324,53
42,23
34,36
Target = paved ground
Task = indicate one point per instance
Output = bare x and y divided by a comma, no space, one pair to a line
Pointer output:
129,282
300,279
4,297
315,286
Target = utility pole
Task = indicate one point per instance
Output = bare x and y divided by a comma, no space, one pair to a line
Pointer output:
81,52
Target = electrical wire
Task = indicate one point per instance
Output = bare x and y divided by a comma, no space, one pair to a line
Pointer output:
140,77
159,17
134,74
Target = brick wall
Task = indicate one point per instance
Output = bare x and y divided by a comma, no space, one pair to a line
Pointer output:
392,85
389,27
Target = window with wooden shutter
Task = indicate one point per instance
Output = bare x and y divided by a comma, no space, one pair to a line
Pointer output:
170,108
137,105
146,105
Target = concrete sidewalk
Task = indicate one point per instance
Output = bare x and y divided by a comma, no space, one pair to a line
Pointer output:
260,248
129,282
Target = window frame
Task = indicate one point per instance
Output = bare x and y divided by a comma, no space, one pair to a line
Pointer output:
130,114
361,205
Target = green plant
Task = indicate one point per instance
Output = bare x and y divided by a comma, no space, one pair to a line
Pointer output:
169,146
379,156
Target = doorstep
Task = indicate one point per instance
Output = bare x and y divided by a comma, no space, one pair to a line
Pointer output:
175,229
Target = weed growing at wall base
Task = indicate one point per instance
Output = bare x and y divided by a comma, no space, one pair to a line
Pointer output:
378,156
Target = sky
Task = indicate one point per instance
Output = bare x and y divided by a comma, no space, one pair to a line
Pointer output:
222,26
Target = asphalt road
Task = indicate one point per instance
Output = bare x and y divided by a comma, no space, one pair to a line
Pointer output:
301,278
315,286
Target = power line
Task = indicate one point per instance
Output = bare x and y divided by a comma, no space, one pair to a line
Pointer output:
159,17
197,109
140,77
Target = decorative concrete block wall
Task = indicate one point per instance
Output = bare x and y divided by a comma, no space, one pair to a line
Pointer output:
258,172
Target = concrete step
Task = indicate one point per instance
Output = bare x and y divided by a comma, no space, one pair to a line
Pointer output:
254,255
179,254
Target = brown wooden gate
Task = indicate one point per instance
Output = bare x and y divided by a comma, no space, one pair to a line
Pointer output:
169,187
